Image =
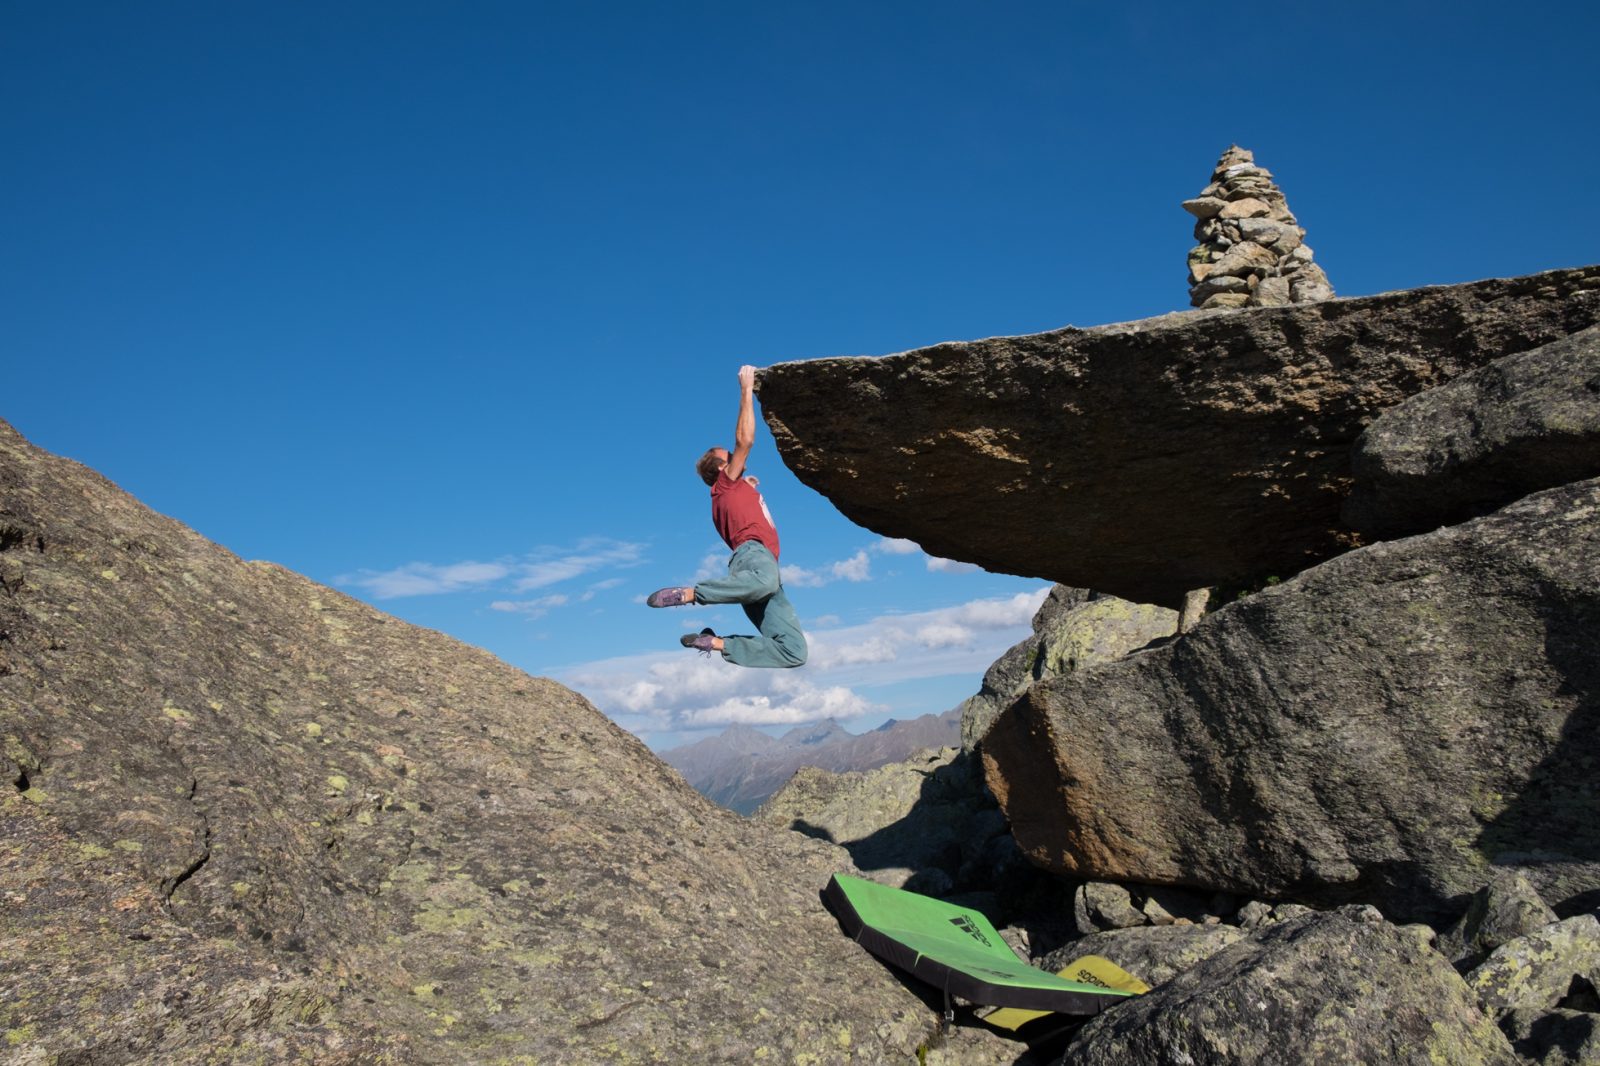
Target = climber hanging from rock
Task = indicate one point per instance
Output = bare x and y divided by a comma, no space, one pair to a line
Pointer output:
753,582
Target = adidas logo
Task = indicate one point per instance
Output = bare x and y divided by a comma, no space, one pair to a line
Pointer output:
969,927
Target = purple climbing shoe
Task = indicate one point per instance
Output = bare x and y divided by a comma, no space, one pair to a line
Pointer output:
700,641
673,597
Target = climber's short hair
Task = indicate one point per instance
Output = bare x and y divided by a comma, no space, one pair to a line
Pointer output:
711,464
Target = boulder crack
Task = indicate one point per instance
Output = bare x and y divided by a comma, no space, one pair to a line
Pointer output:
193,868
171,885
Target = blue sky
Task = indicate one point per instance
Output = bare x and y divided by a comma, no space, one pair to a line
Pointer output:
438,302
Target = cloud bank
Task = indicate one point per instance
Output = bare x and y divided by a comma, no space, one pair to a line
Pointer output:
667,692
856,568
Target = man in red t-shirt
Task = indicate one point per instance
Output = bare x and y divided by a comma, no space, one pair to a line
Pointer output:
745,525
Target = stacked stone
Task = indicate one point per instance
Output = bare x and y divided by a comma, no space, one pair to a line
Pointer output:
1251,251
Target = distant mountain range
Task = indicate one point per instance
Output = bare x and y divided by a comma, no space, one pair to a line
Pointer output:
741,766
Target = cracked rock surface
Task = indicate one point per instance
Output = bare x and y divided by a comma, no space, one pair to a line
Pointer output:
246,818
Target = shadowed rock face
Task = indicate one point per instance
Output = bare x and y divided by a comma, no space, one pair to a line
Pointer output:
923,824
1386,727
1523,423
244,817
1148,458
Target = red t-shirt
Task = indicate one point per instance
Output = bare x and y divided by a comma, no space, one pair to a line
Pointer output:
740,515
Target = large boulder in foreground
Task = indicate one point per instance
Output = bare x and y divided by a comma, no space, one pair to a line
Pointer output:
245,818
1523,423
1147,458
1383,728
1334,988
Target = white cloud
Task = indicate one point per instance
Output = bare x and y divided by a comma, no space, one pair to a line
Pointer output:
810,705
536,608
998,613
936,565
661,692
798,577
714,564
680,689
547,566
950,566
598,587
944,635
827,653
425,579
856,568
588,556
924,644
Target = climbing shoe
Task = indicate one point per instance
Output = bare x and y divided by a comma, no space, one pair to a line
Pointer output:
673,597
700,641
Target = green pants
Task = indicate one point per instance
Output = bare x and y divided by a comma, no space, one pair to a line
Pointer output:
753,583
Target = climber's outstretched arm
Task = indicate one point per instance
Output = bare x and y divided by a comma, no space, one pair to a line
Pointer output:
744,430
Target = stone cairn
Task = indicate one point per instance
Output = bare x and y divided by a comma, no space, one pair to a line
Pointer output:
1251,252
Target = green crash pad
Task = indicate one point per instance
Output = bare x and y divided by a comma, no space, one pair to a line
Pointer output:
954,949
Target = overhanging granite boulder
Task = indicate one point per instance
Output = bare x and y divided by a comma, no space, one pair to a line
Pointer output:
1384,728
1147,458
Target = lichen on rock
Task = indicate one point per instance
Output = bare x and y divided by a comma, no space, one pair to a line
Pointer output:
262,821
